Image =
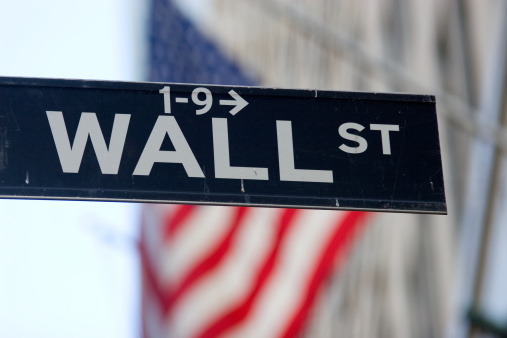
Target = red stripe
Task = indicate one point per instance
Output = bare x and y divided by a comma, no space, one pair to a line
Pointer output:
149,277
144,306
148,273
176,220
238,313
209,262
335,250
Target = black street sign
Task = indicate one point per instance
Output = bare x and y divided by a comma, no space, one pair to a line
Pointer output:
219,145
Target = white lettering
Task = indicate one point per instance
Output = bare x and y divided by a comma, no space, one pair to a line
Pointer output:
182,153
207,102
286,159
362,144
70,157
166,91
223,167
384,133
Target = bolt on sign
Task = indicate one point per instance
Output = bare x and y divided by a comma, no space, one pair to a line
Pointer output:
219,145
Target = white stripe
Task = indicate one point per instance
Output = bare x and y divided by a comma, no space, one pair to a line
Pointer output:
230,281
153,229
193,241
286,287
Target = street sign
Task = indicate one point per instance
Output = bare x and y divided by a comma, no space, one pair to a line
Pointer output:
219,145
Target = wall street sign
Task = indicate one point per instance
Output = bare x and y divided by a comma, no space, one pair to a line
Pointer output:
219,145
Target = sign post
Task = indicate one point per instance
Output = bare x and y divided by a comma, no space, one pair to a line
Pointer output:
219,145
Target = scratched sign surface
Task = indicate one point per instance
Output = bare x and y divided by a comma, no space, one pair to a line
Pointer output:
221,145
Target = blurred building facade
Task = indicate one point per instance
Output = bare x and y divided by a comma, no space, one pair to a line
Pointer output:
409,275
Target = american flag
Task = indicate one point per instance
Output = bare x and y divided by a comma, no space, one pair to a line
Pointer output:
229,271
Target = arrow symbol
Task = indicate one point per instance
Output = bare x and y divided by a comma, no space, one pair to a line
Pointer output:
237,101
